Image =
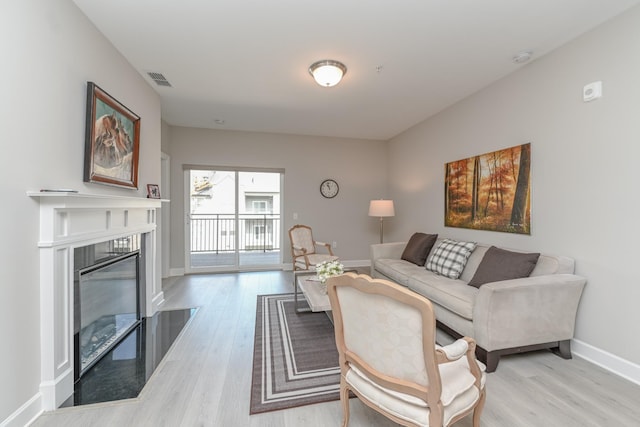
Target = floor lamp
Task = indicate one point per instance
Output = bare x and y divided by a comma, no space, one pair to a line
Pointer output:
382,209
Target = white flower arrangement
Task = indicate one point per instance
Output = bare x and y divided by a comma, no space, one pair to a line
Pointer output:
328,269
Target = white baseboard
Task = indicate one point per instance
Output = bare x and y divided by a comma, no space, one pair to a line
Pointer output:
606,360
54,392
176,272
26,414
289,266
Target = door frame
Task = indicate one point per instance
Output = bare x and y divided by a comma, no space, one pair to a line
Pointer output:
187,168
165,214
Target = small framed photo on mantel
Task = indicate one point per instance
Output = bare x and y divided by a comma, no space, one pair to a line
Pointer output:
153,191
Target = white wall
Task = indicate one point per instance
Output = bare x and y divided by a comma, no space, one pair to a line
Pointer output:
50,50
359,167
585,175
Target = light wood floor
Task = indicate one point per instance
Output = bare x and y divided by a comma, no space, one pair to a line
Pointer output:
205,378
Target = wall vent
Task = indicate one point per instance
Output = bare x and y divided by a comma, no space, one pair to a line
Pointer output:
159,79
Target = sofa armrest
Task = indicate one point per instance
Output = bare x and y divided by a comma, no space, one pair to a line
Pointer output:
531,310
387,250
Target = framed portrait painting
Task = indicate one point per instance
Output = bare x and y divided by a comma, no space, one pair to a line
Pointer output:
112,140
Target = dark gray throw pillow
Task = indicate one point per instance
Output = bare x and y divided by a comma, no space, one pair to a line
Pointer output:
499,264
418,248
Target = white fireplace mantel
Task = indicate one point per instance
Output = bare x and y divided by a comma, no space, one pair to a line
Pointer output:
69,220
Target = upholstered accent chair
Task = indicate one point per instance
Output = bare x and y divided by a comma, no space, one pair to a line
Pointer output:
385,334
303,248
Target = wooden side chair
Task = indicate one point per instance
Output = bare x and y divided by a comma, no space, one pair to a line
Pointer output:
385,335
303,248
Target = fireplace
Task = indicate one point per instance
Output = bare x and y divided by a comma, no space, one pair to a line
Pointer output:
77,233
106,298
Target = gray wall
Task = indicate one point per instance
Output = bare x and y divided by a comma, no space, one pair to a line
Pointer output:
359,167
585,173
50,51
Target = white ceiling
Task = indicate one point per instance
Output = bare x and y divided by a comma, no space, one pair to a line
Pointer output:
245,61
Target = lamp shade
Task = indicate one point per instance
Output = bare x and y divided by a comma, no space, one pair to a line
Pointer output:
327,72
381,208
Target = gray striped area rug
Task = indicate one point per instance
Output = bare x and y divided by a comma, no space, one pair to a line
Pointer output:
295,360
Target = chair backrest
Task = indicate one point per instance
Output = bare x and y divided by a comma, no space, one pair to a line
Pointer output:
301,236
387,332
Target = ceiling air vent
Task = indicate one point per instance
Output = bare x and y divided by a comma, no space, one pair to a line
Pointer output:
159,79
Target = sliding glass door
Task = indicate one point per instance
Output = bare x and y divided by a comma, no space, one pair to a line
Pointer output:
233,222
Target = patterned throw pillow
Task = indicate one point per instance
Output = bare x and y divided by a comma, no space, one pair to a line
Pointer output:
450,257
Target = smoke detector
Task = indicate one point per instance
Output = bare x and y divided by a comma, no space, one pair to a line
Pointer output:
522,57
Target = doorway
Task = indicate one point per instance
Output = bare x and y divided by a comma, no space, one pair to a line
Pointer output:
233,219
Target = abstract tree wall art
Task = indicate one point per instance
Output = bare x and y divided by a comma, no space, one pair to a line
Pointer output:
490,191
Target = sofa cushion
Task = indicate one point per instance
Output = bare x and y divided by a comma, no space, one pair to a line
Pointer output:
473,262
454,295
450,257
397,270
500,264
418,248
553,264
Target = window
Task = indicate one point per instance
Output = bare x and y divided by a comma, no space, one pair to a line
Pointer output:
259,206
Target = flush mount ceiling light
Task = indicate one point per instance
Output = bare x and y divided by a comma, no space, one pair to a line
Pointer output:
327,72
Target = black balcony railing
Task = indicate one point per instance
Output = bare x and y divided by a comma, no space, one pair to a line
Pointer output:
217,232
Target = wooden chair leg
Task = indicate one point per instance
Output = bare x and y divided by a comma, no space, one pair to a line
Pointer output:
344,399
478,409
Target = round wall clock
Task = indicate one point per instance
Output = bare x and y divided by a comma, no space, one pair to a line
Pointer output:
329,188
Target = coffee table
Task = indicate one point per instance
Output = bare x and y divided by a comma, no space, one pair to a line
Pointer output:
312,290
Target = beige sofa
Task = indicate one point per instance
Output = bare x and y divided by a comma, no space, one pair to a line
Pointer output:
504,317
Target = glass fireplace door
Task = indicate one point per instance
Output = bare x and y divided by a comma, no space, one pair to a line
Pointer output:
109,306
